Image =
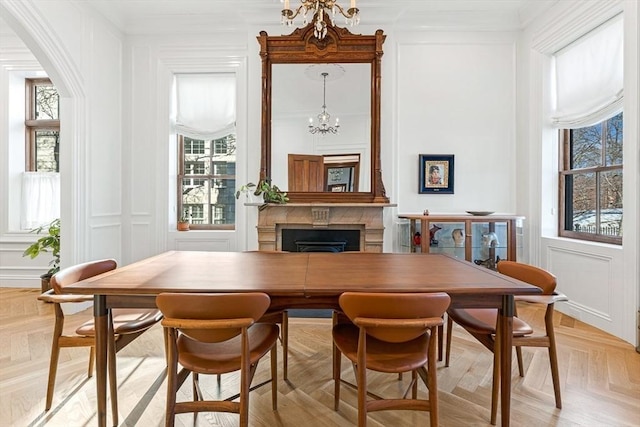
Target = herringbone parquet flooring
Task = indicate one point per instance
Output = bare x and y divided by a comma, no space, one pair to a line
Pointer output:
600,379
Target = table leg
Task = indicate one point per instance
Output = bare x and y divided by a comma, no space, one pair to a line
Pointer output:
101,325
506,336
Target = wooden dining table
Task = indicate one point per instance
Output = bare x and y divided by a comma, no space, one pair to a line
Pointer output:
302,280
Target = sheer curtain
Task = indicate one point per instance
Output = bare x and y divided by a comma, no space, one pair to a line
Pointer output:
40,199
205,105
589,77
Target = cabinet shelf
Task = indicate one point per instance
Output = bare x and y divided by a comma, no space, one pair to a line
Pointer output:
480,239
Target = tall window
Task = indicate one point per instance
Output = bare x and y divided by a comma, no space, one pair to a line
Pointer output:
207,181
588,112
40,193
205,125
42,125
591,181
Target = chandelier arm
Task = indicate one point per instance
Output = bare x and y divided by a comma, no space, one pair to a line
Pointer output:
349,14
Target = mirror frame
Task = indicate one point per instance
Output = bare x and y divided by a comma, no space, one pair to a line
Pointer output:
338,46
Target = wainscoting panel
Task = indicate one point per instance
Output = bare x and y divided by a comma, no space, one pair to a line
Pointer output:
589,280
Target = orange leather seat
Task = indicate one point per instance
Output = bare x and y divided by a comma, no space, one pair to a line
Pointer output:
391,333
481,323
216,334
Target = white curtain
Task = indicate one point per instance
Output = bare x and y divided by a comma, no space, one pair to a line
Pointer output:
589,77
205,105
40,199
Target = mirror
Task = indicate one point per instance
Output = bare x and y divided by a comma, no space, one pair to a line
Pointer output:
286,108
297,98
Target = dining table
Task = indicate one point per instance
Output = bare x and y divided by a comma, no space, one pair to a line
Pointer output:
302,280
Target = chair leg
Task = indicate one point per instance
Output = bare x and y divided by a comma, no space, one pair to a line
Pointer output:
172,378
448,348
111,368
285,345
432,382
92,358
362,378
53,369
495,386
440,333
553,355
520,363
337,359
274,377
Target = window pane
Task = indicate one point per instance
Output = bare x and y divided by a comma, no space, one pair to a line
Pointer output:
46,102
586,147
47,151
611,203
223,201
613,154
581,198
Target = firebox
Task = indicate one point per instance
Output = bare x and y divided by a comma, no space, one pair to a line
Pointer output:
313,240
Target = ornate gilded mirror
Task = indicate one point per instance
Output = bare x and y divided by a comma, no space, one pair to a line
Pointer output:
359,56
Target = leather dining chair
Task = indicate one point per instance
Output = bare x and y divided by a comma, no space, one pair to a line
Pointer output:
216,334
481,323
390,333
126,325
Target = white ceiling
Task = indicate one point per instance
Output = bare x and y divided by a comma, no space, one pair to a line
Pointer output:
183,16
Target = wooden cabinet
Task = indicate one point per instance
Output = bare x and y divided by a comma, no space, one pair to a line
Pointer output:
483,240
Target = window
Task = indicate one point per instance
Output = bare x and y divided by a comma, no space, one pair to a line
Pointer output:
42,126
591,182
207,181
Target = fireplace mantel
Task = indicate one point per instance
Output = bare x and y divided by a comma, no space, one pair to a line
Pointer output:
366,217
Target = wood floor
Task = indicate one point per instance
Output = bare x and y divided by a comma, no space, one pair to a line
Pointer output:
600,379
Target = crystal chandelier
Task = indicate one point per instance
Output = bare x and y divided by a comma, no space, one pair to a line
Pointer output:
323,118
319,8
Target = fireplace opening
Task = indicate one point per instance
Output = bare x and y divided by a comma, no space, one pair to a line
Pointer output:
313,240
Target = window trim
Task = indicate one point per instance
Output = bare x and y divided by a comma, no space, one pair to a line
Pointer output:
564,139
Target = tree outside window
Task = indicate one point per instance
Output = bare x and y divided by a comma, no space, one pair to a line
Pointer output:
591,182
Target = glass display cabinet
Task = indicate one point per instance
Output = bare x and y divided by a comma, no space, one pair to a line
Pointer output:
482,239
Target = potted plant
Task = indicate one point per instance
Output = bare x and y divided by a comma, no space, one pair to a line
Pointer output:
270,192
183,223
49,242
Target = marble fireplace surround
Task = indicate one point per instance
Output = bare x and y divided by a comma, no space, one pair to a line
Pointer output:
365,217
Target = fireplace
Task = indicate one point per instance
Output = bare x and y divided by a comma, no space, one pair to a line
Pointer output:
314,240
357,226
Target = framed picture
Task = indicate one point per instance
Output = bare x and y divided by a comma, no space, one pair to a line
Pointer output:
337,188
436,174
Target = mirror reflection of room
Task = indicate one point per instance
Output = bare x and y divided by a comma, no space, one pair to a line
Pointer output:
333,173
300,93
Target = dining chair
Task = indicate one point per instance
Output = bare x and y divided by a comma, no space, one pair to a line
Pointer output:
390,333
481,323
216,334
124,327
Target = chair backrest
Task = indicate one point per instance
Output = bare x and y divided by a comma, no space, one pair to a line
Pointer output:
394,306
201,306
530,274
79,272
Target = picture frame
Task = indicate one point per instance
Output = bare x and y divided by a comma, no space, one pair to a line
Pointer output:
436,173
338,188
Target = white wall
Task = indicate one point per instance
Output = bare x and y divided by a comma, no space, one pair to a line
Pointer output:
601,281
475,95
82,54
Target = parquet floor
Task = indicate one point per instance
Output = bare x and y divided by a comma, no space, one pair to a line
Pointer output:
600,379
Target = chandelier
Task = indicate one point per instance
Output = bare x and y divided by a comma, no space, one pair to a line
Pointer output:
319,8
323,118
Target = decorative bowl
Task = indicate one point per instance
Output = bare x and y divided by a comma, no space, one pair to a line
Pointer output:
480,213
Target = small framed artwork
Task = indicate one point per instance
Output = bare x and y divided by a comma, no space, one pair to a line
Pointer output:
337,188
436,174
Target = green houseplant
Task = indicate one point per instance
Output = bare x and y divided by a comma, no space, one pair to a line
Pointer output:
270,193
183,223
49,242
